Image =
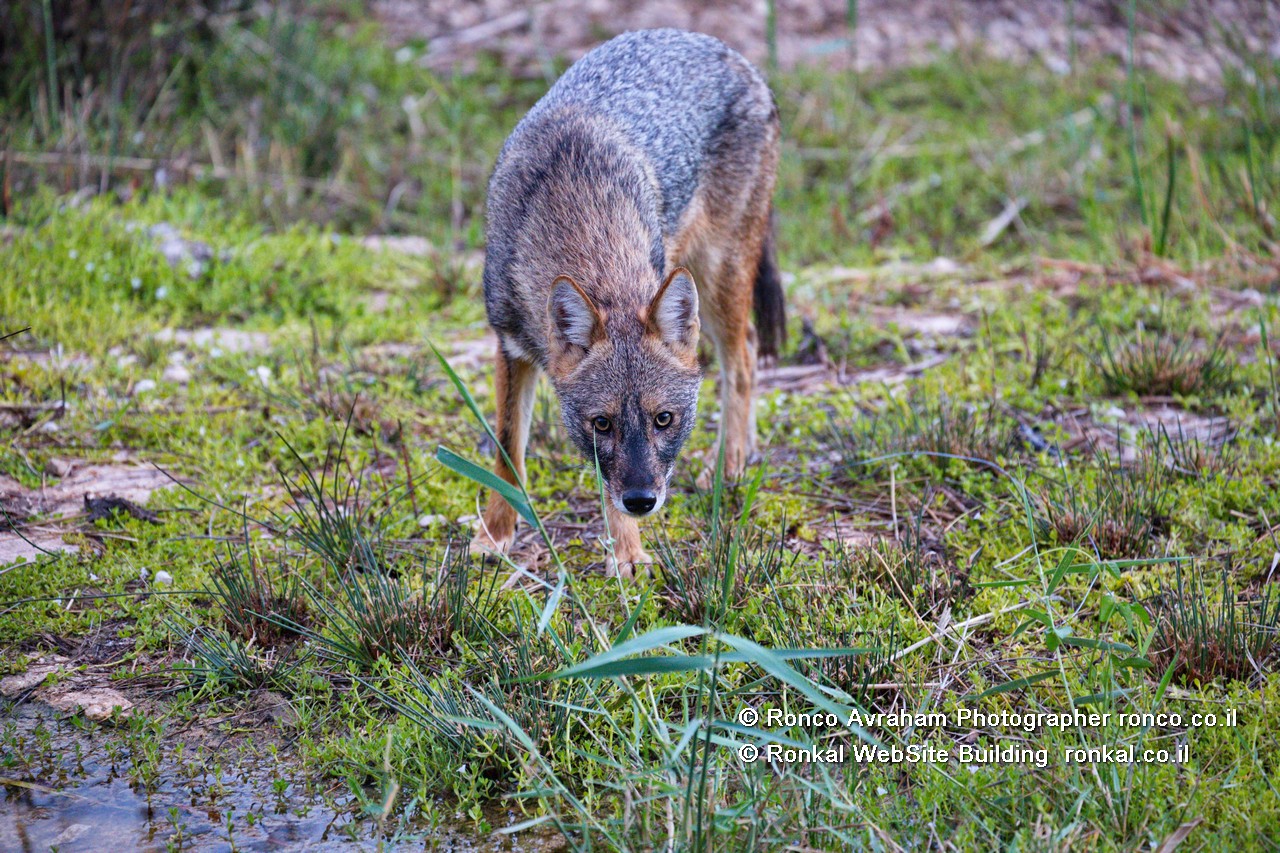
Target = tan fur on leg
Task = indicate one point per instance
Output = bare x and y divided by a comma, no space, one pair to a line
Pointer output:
628,553
514,384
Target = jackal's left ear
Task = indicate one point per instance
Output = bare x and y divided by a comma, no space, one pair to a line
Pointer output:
673,313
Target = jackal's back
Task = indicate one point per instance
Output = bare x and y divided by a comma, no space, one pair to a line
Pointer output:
673,93
598,174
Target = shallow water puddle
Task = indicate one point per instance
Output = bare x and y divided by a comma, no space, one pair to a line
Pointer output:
70,785
107,814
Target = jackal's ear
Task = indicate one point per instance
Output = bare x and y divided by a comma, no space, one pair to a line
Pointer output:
673,313
575,319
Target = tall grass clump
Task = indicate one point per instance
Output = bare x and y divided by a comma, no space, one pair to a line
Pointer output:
694,588
425,618
1115,510
657,711
221,658
261,616
1205,636
255,602
1155,215
375,607
56,50
330,517
1160,364
1196,456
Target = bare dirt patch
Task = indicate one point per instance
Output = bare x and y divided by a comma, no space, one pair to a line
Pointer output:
96,703
1116,429
804,378
217,340
71,693
848,533
82,490
924,324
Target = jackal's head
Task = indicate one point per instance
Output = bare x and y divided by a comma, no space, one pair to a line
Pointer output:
628,384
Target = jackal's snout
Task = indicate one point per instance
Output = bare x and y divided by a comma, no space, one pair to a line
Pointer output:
639,501
640,496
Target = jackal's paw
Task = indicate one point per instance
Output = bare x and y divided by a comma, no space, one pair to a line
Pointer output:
735,465
485,543
707,479
627,566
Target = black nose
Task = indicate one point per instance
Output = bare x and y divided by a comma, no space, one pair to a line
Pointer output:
639,502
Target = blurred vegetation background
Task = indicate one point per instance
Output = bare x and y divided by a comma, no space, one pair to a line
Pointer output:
315,111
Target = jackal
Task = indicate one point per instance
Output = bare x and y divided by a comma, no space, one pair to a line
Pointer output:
629,210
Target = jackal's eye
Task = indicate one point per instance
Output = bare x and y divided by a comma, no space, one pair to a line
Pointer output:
602,424
662,420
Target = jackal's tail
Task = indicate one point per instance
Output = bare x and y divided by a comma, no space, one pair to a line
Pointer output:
770,305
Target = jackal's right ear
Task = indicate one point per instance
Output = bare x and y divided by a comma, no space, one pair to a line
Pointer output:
575,319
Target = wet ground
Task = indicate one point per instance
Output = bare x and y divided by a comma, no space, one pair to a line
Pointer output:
72,785
69,785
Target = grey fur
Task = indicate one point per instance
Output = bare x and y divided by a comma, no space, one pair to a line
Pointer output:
640,118
629,208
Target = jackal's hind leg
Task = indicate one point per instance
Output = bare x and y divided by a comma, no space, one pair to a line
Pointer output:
735,342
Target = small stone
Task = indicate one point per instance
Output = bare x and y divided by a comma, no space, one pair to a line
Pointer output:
163,578
59,467
277,707
96,703
35,675
70,835
144,385
431,520
177,374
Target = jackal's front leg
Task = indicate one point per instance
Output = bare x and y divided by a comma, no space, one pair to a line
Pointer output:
514,385
627,554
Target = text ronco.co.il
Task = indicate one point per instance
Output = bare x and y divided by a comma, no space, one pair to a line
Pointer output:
1026,721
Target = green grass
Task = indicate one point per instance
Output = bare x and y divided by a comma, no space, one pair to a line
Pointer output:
1062,622
988,521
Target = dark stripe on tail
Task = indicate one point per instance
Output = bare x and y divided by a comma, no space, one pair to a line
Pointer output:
770,304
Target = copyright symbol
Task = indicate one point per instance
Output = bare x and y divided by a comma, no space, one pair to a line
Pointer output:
748,752
748,716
